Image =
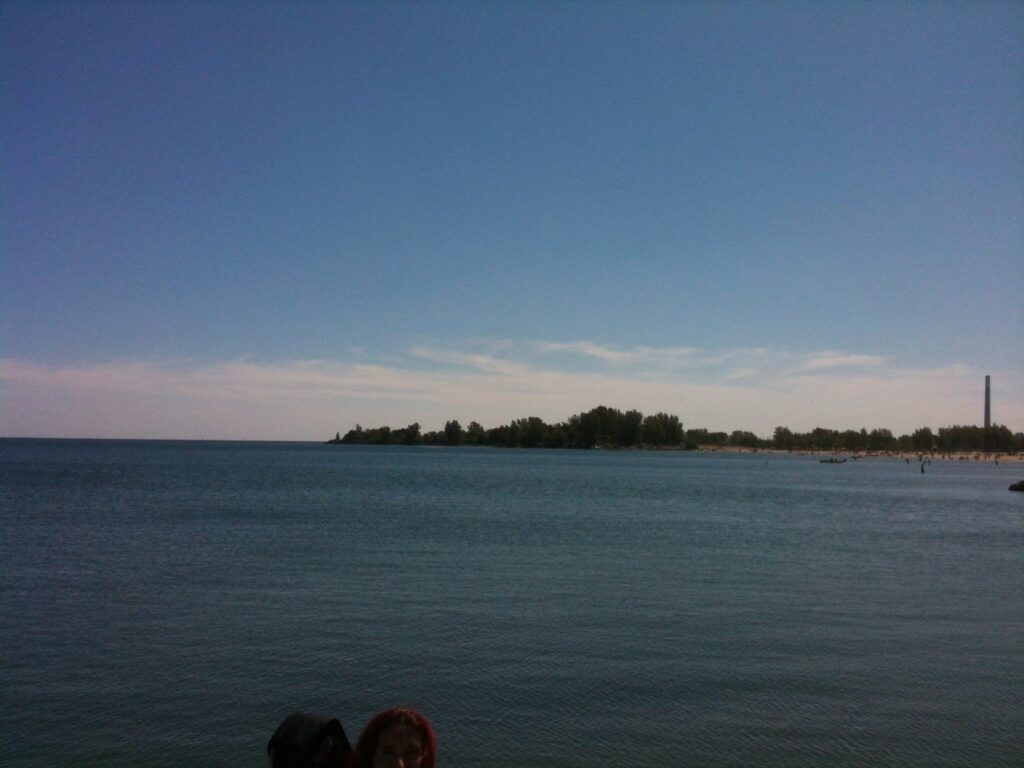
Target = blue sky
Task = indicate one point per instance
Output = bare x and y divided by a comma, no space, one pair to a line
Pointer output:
277,220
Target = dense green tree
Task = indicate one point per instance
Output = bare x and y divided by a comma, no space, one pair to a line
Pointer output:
922,439
783,439
557,437
502,437
821,439
851,440
962,438
629,428
744,439
653,431
475,434
673,428
697,436
880,440
410,435
353,435
717,438
998,438
659,429
531,432
599,426
453,433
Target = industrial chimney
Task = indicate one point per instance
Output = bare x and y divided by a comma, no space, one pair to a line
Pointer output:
988,403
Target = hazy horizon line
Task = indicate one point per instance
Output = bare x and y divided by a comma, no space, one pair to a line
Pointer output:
492,381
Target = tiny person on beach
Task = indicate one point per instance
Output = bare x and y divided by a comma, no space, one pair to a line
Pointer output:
396,738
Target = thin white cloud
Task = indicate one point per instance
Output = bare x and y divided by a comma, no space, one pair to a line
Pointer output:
738,374
634,355
478,362
754,389
839,360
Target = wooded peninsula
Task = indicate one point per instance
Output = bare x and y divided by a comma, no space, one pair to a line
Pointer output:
605,427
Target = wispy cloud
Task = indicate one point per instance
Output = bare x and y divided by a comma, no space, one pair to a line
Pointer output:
840,360
491,382
631,356
739,374
479,362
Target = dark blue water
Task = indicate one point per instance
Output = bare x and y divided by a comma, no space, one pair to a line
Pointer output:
168,603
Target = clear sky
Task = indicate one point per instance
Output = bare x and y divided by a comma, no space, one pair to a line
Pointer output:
276,220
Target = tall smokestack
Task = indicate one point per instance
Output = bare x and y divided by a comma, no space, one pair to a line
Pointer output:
988,403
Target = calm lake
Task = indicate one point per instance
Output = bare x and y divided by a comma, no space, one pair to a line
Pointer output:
168,603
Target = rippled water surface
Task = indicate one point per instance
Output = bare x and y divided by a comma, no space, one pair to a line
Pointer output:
168,603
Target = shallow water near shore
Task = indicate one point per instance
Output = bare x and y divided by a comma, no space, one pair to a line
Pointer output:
168,603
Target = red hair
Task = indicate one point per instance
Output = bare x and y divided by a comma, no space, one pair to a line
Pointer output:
362,756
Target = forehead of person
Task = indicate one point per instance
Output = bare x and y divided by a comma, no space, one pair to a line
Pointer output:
401,743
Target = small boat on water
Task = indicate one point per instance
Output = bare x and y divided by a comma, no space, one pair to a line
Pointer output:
832,460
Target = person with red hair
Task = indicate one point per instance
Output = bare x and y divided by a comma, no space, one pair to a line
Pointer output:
396,738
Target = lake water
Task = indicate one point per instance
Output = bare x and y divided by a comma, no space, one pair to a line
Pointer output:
168,603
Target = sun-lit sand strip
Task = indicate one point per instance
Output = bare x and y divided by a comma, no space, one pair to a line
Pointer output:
981,456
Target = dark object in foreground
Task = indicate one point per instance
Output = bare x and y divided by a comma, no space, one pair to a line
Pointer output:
1017,486
303,740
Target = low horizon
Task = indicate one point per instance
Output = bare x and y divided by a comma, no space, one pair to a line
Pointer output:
243,397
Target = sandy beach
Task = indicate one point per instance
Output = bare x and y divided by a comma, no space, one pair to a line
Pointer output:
990,457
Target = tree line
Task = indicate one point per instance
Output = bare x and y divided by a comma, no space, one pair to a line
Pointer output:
604,427
599,427
947,439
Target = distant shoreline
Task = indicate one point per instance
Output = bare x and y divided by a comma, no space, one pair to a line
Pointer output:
603,427
902,455
979,456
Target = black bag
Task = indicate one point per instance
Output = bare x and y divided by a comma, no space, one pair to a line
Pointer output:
309,741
